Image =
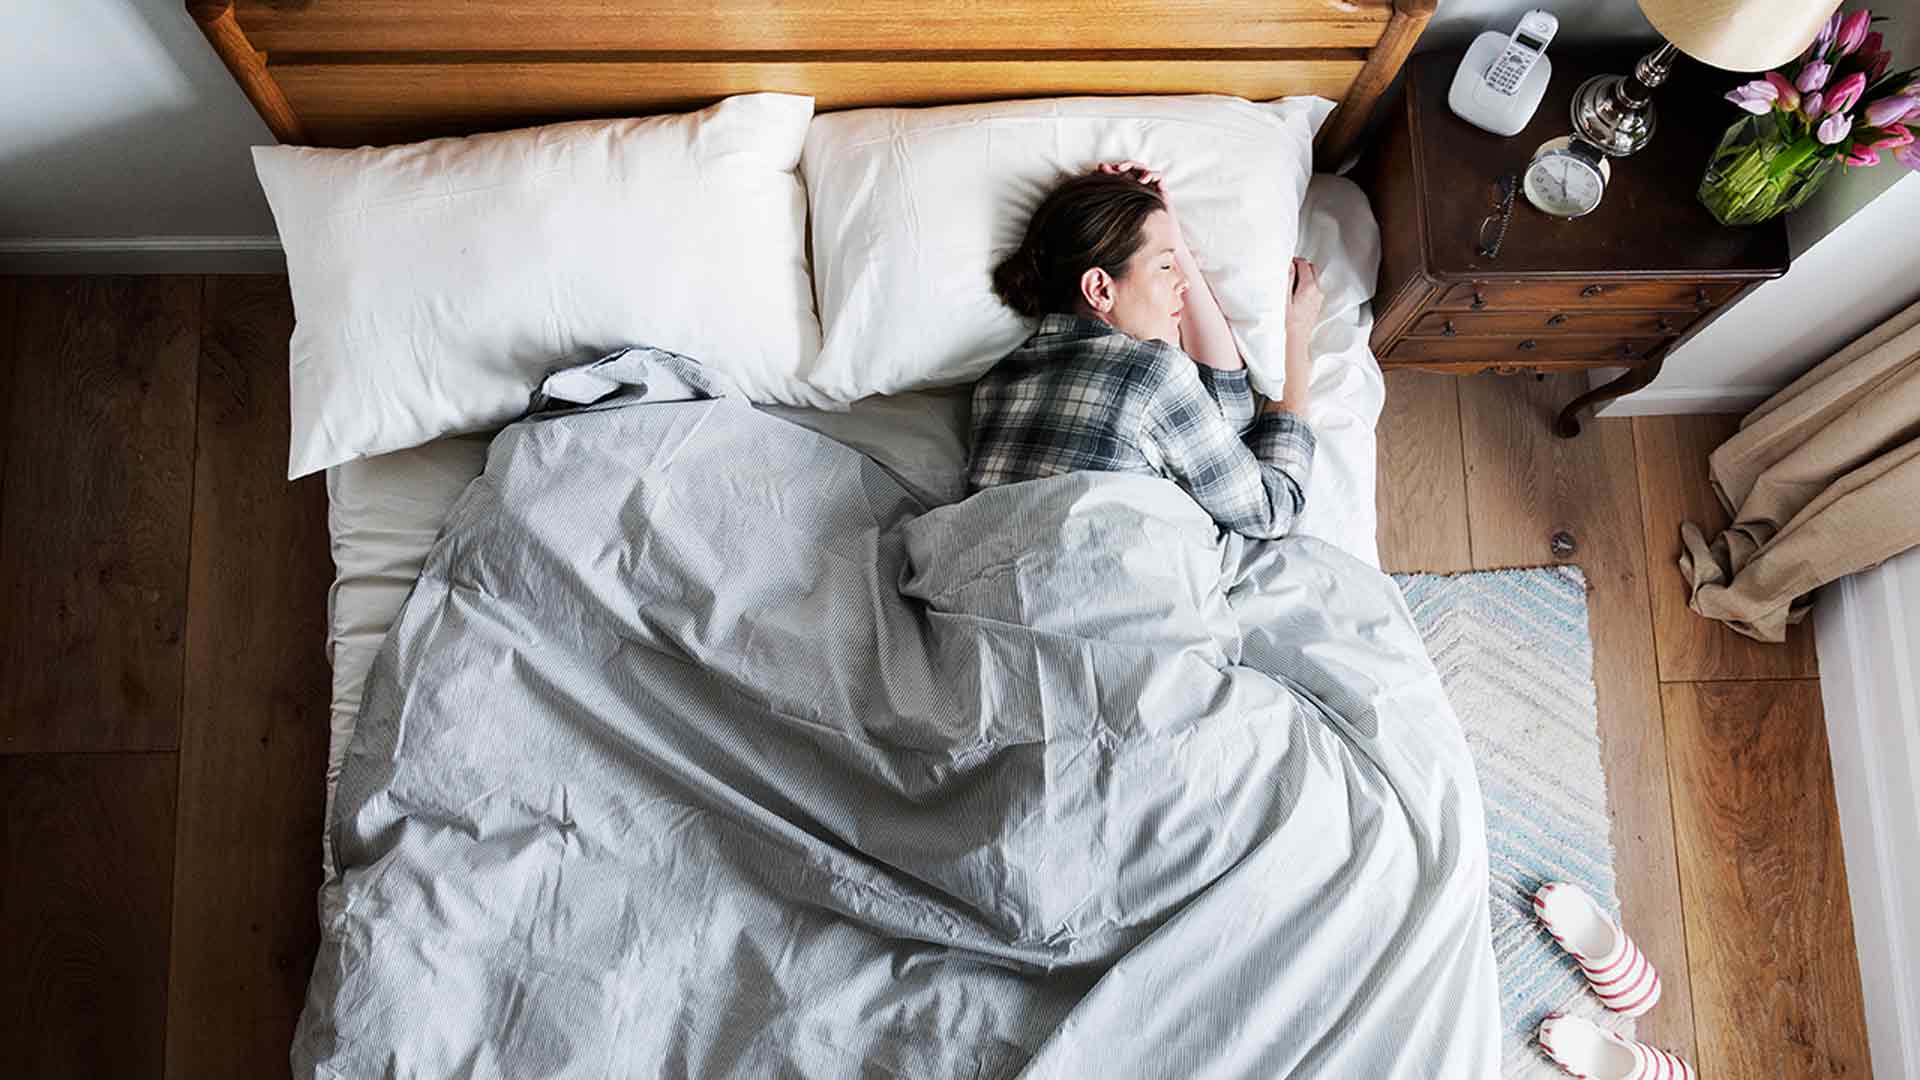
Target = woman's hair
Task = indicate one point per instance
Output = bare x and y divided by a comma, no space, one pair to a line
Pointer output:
1088,221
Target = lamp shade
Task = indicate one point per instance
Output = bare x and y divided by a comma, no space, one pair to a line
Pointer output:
1739,35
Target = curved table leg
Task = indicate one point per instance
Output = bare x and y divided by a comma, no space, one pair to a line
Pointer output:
1568,424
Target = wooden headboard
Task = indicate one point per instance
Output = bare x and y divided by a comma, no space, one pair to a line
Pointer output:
355,72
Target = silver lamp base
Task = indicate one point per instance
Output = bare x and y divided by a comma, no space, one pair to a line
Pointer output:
1615,112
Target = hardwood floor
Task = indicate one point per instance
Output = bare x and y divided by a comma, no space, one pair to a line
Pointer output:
1524,487
164,610
1725,835
163,692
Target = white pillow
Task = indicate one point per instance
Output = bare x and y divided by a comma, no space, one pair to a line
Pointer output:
913,207
435,284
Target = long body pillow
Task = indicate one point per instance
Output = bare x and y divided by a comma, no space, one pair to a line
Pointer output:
912,208
435,284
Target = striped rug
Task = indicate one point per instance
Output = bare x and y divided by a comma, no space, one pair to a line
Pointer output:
1516,658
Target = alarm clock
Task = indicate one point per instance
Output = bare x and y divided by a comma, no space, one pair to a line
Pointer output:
1566,177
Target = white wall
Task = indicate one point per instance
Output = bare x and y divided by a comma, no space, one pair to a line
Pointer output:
120,122
1581,21
1867,627
1846,283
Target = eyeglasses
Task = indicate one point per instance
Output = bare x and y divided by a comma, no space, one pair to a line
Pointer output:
1493,228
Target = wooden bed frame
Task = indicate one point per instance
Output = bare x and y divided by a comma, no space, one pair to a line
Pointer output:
357,72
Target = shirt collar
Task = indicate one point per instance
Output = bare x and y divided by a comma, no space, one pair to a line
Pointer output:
1071,325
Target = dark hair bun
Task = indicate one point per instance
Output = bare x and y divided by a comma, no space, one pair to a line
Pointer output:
1019,282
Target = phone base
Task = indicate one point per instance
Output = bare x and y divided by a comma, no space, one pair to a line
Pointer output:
1472,100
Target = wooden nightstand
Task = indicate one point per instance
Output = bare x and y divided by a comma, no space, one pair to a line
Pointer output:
1616,288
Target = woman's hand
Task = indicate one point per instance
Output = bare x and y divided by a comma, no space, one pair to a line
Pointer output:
1151,178
1147,176
1303,314
1303,307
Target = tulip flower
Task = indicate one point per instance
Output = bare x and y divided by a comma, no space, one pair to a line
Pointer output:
1810,105
1909,155
1833,129
1786,98
1846,93
1825,37
1813,76
1757,97
1853,31
1891,110
1877,64
1893,138
1861,155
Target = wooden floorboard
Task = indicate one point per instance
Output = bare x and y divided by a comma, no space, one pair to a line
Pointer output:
9,363
1524,485
86,857
1674,487
253,739
1769,928
93,533
1422,489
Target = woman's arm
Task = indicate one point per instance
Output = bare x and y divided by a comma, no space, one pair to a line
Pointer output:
1303,314
1204,332
1254,484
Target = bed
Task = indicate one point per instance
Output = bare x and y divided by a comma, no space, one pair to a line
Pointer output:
919,953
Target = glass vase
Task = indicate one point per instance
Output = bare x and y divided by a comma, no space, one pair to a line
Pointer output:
1762,168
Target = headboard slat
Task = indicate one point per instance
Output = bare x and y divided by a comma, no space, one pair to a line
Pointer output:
345,104
351,72
871,25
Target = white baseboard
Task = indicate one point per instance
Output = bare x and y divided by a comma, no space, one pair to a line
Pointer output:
1867,627
143,255
1655,401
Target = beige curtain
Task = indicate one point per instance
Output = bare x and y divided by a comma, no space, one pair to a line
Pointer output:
1822,480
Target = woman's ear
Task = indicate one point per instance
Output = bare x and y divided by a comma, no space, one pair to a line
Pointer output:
1096,288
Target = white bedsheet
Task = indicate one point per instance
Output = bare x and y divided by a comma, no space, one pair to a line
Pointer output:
386,511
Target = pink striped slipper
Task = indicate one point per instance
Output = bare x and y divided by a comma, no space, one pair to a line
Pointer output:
1615,967
1588,1050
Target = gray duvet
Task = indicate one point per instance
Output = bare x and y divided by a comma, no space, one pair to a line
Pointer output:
701,750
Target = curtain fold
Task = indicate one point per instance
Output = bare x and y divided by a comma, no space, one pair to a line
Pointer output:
1822,480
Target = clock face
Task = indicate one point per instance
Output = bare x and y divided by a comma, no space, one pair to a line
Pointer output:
1563,185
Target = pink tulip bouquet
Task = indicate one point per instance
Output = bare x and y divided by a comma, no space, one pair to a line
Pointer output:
1837,105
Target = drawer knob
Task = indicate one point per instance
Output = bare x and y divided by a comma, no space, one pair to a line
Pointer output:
1529,345
1479,301
1557,320
1626,348
1448,330
1592,290
1700,296
1665,325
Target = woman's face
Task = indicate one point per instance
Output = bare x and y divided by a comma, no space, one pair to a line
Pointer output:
1147,301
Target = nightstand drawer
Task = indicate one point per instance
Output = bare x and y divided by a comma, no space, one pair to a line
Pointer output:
1532,323
1524,351
1556,295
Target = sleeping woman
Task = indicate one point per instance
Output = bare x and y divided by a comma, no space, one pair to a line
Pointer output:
1133,367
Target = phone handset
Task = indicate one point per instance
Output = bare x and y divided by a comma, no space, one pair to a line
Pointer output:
1525,46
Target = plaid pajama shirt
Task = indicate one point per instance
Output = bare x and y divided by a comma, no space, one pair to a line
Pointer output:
1080,394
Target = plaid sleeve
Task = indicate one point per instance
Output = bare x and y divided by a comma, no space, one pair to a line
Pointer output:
1231,391
1257,487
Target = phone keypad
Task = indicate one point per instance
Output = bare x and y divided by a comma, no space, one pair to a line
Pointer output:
1506,74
